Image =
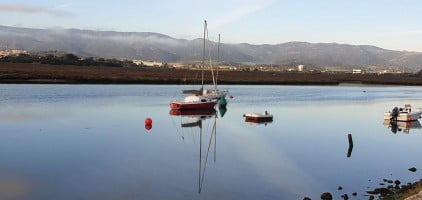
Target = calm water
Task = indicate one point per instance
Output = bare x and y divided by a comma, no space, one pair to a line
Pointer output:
90,142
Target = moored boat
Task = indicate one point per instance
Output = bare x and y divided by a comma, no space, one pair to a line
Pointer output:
258,117
403,114
214,93
193,102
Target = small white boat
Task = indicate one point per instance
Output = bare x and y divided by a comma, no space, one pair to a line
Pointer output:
258,117
405,114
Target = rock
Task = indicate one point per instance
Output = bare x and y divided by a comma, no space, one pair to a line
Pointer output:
345,196
397,182
340,188
354,194
326,196
387,180
412,169
307,198
380,191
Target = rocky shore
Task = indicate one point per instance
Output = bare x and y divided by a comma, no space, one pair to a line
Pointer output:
385,189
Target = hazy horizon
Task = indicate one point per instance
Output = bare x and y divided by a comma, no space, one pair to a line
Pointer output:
386,24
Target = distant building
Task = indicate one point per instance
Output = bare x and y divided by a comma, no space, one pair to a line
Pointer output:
300,68
147,63
11,52
356,71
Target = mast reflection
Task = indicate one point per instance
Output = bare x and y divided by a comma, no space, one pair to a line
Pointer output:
197,118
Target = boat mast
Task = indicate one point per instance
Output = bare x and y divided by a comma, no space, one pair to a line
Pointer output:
209,54
203,58
218,61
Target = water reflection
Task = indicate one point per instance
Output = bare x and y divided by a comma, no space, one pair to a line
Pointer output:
259,123
98,151
399,126
222,111
196,118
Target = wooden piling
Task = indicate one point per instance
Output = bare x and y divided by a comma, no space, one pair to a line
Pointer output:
349,151
350,140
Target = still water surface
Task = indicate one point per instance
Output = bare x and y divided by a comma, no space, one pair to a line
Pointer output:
90,142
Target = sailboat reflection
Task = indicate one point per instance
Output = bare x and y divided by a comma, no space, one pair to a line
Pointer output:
259,123
400,126
198,118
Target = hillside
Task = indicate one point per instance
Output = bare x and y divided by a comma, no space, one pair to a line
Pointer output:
159,47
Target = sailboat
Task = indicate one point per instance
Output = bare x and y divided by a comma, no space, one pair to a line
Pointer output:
214,93
199,99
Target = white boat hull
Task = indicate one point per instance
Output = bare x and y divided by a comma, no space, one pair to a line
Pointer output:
404,117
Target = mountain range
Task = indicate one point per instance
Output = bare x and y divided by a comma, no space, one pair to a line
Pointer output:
163,48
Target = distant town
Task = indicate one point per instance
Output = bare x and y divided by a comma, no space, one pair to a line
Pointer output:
20,56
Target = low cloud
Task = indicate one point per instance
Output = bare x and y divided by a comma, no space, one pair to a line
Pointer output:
22,8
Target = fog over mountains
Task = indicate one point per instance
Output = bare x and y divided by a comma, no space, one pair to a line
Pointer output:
159,47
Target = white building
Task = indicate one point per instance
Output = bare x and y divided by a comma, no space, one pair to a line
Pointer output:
10,52
356,71
300,68
148,63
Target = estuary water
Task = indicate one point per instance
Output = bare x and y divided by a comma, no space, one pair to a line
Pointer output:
91,142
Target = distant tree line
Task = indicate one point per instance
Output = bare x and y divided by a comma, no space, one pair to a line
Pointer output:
66,59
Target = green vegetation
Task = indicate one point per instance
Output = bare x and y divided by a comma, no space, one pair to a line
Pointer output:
65,59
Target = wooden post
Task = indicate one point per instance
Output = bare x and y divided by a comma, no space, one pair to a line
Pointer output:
349,151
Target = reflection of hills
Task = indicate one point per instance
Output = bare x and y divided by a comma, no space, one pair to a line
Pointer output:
195,118
399,126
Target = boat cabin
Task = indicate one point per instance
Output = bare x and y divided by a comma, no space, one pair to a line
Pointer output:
407,109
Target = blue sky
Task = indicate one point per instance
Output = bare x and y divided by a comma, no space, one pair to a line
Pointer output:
389,24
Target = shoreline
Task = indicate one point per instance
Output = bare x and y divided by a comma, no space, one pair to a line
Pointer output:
12,73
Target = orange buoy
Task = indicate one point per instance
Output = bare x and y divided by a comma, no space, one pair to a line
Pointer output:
148,126
148,121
